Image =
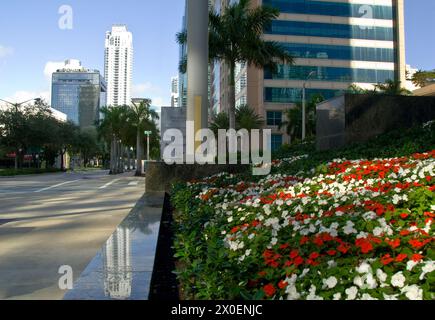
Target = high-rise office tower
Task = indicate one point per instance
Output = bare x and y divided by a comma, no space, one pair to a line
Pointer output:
335,44
118,65
174,92
78,92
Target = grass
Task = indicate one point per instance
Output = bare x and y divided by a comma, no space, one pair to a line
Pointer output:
26,171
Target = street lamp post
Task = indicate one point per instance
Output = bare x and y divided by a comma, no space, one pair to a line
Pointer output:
148,133
16,105
304,111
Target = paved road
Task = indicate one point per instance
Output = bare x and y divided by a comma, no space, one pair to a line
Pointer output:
51,220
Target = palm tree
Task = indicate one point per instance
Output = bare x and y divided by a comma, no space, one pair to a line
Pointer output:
293,124
392,87
110,128
235,36
219,121
247,118
139,116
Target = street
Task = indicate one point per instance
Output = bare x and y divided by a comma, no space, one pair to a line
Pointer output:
52,220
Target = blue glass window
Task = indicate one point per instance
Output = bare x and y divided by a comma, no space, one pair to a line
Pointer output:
332,8
274,118
294,95
276,142
331,74
319,51
330,30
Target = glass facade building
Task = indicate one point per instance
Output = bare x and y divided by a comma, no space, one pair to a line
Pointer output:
79,94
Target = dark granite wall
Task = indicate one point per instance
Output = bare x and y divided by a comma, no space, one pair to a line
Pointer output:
367,116
160,176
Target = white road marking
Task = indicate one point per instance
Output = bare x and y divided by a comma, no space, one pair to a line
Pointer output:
133,183
55,186
109,184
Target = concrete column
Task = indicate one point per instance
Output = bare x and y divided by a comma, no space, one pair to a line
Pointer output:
197,62
400,41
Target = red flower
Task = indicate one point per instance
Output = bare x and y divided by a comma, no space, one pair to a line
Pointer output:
304,240
404,233
294,254
332,252
284,246
404,215
235,230
314,255
343,248
386,259
365,245
299,261
282,284
262,273
288,263
269,290
401,257
395,243
416,243
417,257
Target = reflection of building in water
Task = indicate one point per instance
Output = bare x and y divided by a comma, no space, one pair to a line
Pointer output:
117,265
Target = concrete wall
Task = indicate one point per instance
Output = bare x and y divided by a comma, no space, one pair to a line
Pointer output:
357,118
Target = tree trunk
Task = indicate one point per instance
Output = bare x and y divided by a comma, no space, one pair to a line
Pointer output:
232,96
138,153
16,159
113,156
62,164
128,159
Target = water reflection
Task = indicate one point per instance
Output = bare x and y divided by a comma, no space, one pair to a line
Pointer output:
117,265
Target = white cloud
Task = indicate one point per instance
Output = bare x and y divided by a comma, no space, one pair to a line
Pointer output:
21,96
52,66
6,51
151,91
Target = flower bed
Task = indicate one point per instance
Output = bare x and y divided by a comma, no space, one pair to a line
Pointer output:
349,230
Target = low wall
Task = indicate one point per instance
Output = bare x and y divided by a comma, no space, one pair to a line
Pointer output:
355,118
160,176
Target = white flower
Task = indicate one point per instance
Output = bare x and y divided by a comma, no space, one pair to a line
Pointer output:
428,268
337,296
396,198
230,219
293,293
331,282
351,293
366,296
398,280
358,281
371,281
349,228
312,295
390,297
413,292
377,231
382,276
364,268
410,265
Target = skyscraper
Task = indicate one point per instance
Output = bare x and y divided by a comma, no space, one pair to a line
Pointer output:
78,92
335,44
174,92
118,65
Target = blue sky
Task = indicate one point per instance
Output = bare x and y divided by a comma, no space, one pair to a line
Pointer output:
31,43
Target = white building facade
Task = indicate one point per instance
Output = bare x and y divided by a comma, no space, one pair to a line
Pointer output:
118,65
